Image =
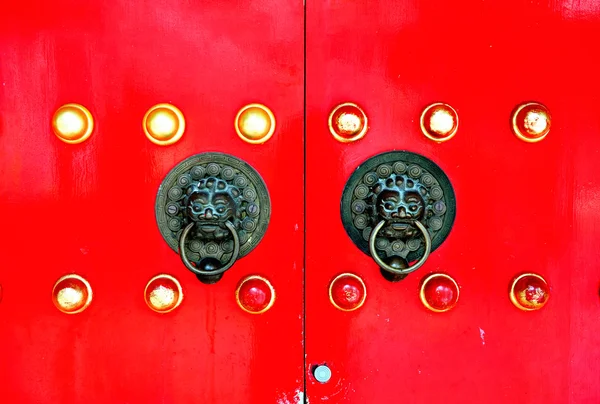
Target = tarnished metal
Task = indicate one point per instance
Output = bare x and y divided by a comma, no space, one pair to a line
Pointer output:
439,122
391,268
393,201
531,122
212,208
529,292
348,122
163,293
72,294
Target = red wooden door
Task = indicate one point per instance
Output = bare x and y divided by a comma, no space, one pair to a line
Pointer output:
521,207
86,207
89,208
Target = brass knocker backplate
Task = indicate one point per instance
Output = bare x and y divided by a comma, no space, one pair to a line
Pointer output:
211,189
394,184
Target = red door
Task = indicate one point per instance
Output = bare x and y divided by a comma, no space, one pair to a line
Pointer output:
86,206
521,207
155,184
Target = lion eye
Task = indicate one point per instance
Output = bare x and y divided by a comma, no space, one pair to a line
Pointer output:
388,206
221,208
413,208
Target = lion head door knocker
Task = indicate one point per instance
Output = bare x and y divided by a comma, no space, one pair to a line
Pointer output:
398,207
212,209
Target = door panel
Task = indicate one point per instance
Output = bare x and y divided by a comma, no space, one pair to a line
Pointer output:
89,208
520,207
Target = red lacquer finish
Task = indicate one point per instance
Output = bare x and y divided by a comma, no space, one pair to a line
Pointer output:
347,292
529,292
255,294
521,206
439,292
83,152
88,208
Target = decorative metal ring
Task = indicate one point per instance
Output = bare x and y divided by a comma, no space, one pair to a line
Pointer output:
188,264
411,268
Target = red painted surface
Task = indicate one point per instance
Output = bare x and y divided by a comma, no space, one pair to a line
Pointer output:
347,292
255,295
440,293
520,207
89,208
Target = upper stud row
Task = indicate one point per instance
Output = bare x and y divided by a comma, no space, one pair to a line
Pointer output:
439,122
164,124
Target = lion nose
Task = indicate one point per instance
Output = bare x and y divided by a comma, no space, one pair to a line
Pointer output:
402,213
208,214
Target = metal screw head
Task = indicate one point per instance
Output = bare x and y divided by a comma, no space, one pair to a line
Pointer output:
322,373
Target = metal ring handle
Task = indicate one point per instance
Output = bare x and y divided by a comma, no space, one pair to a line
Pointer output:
188,264
388,268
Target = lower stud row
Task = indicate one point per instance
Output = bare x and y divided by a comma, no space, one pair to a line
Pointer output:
73,294
254,294
440,292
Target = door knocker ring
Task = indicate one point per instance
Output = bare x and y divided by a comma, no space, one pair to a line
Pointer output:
383,265
202,272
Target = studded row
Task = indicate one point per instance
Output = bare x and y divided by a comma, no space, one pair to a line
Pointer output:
163,293
164,124
439,292
439,122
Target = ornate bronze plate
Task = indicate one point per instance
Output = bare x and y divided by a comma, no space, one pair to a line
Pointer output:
210,190
398,187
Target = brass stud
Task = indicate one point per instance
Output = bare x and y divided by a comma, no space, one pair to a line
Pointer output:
163,293
348,122
72,123
255,123
255,294
439,292
347,292
529,292
72,294
531,122
164,124
439,122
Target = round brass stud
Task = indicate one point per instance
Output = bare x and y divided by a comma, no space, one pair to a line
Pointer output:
439,122
347,292
348,122
72,294
164,124
255,123
72,123
255,294
439,292
163,293
529,292
531,122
